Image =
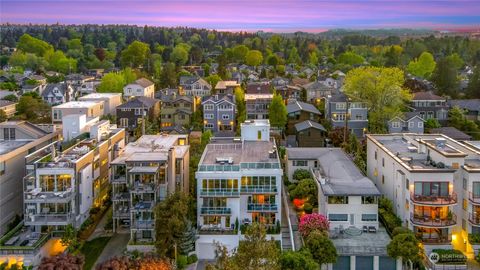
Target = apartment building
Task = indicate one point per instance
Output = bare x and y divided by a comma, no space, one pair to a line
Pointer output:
142,176
110,101
434,183
59,189
17,139
238,182
89,108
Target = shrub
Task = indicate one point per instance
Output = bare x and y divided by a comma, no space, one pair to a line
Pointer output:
182,261
192,259
301,174
306,188
313,222
400,230
474,238
308,208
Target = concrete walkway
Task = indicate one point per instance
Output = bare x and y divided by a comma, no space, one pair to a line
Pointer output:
115,247
99,230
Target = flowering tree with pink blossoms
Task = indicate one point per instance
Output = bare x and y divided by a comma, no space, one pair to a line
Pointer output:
313,222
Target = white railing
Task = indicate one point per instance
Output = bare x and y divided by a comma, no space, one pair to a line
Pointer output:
287,213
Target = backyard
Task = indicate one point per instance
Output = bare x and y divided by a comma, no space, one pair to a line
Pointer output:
92,250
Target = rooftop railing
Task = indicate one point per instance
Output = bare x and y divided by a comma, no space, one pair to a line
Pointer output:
265,207
216,211
219,192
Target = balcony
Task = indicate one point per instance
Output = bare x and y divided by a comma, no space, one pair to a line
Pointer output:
21,240
119,179
143,188
216,229
36,195
264,207
121,196
474,198
434,200
474,218
215,211
121,212
219,192
440,240
258,189
143,224
143,206
427,221
51,219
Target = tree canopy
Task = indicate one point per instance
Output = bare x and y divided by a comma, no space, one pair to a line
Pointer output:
277,112
381,89
423,66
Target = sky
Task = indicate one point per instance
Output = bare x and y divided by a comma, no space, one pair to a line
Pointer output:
250,15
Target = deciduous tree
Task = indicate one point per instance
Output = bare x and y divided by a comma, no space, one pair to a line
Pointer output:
135,54
382,91
277,112
423,66
322,249
253,58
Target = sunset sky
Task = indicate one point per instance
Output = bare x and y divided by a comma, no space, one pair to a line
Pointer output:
250,15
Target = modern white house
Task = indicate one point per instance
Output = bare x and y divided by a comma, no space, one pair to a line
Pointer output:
87,108
434,184
140,88
110,101
238,182
349,200
142,176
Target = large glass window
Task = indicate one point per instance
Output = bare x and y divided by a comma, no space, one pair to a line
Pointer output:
338,199
215,220
47,183
476,189
369,217
214,202
369,200
431,188
264,218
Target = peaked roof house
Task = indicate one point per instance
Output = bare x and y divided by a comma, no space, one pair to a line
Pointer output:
140,88
297,112
430,106
176,111
195,86
470,106
57,93
310,134
318,89
410,122
226,87
131,113
219,113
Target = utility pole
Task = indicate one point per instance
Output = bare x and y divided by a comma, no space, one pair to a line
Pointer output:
346,123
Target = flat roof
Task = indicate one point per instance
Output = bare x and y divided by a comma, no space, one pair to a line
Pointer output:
9,146
338,175
152,148
248,151
100,95
366,244
77,104
258,96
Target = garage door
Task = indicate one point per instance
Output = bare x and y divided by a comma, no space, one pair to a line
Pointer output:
343,263
364,262
387,263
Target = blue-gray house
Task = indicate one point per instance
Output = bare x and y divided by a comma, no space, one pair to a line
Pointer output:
410,122
219,113
355,114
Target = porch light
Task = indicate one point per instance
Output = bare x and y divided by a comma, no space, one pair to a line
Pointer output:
454,237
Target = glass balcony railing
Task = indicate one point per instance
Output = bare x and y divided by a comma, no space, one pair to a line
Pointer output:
428,221
434,199
264,207
119,179
49,219
474,198
258,189
215,211
219,192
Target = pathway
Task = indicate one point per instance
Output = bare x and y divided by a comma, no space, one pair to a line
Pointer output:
114,247
99,230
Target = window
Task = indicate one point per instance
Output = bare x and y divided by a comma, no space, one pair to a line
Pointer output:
358,117
123,122
9,134
369,200
464,184
375,155
57,114
396,124
369,217
341,106
431,188
339,117
138,111
338,199
208,107
208,116
407,183
300,163
383,179
208,125
420,124
259,135
225,116
411,124
383,162
338,217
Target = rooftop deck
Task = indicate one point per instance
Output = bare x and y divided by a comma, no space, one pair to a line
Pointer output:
364,244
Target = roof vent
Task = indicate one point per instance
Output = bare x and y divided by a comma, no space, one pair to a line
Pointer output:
440,142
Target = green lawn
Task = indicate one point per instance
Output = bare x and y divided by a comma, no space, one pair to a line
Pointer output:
92,250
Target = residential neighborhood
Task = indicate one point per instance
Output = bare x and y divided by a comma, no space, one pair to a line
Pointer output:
151,147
